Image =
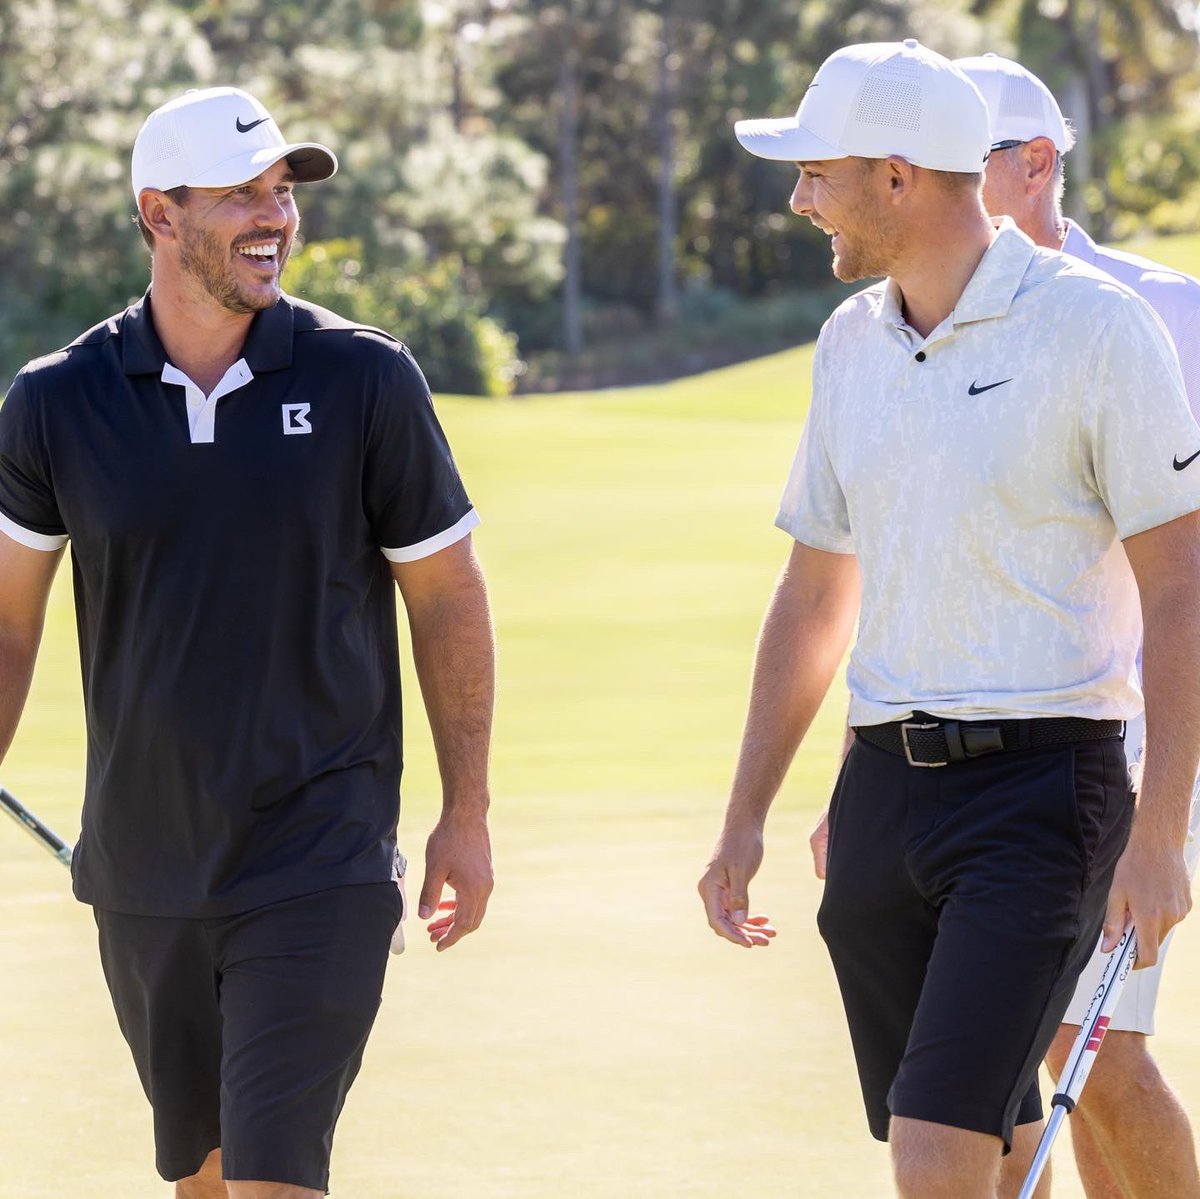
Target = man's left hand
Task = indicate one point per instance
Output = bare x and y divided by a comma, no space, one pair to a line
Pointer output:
458,855
1152,890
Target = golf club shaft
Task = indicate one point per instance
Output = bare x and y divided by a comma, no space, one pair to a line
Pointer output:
1083,1053
45,837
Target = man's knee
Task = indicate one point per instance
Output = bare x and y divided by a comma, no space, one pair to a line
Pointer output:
1122,1073
935,1161
271,1190
205,1183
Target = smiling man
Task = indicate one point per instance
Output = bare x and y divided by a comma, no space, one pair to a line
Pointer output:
988,427
245,480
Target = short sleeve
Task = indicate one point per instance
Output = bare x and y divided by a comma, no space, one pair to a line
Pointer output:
28,509
813,509
1140,441
1187,346
414,497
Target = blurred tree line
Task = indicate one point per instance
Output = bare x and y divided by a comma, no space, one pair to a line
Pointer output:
539,186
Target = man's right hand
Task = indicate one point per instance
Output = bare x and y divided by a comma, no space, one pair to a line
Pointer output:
818,842
725,888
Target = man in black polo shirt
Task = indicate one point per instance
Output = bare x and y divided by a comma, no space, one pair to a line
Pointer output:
242,477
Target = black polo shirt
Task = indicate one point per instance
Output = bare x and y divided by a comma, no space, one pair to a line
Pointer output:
236,615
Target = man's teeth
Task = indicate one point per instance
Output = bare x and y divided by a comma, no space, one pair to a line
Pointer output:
268,251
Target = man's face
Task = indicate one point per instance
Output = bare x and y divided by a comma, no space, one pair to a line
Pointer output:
1004,180
841,197
234,241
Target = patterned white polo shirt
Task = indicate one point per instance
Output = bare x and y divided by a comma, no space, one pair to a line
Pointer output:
984,476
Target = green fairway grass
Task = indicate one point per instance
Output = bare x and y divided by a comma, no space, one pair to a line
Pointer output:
593,1040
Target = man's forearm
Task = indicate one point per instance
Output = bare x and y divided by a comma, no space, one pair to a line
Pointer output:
18,652
454,652
803,638
1171,682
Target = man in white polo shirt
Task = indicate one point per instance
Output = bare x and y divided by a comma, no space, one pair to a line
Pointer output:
987,428
1135,1148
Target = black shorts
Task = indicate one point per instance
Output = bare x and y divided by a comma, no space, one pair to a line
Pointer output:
960,904
248,1030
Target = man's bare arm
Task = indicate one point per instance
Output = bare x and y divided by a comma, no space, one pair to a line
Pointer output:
25,579
806,631
1151,885
454,653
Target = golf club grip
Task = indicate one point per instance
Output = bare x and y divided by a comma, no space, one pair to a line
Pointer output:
1095,1022
45,836
1083,1052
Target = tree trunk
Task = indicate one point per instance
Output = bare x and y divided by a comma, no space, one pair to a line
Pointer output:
569,184
668,296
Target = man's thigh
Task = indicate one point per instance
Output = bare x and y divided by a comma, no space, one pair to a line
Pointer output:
299,995
247,1031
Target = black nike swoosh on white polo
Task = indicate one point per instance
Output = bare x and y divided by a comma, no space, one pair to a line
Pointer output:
1186,462
976,390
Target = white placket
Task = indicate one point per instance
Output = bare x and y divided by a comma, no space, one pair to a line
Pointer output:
202,409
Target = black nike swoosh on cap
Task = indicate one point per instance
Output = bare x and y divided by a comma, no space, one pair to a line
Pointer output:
1186,462
253,124
976,390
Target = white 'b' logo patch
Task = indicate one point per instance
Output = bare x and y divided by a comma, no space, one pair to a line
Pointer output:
295,418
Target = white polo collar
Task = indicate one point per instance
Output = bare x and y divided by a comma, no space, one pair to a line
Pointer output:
989,292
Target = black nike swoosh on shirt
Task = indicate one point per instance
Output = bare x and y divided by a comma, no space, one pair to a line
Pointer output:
976,390
253,124
1186,462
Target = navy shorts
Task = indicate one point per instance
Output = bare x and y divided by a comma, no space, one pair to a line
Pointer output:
960,904
248,1030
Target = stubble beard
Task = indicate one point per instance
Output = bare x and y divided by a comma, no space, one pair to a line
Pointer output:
870,254
203,256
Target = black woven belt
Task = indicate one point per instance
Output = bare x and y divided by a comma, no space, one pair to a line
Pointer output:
927,741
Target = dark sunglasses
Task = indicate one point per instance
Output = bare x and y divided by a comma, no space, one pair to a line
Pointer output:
1008,145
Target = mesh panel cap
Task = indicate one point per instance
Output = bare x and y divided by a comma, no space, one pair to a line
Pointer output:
1020,105
879,99
218,137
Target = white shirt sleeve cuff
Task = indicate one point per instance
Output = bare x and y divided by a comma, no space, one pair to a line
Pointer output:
431,545
26,537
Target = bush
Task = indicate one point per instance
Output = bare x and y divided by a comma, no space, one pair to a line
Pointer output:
459,349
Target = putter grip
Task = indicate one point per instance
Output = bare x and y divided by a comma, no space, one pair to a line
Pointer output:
1095,1023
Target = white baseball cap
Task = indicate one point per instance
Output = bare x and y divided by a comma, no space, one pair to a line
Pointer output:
217,137
876,100
1021,106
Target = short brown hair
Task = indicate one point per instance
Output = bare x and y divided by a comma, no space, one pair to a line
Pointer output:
953,181
177,195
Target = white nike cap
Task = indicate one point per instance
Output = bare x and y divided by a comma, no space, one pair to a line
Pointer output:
876,100
1021,106
217,137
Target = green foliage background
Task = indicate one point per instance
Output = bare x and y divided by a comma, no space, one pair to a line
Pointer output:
448,222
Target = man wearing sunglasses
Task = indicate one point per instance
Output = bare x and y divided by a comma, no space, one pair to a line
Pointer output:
1132,1137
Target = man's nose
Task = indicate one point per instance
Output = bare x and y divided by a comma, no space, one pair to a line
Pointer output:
801,202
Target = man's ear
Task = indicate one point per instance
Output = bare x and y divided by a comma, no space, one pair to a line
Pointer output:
154,207
1039,155
900,176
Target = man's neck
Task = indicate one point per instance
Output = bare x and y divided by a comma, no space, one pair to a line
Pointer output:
1045,227
936,271
200,337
